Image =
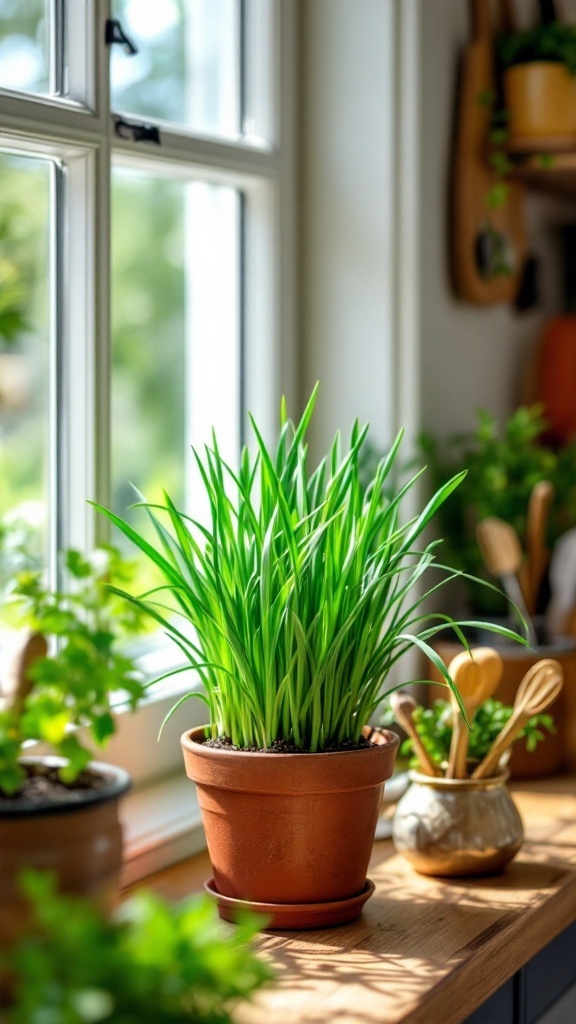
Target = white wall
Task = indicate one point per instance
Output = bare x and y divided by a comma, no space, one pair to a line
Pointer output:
465,356
347,210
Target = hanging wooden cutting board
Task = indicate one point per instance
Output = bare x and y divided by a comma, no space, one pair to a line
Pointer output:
475,228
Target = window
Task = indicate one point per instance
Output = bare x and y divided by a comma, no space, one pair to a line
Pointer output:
145,251
25,62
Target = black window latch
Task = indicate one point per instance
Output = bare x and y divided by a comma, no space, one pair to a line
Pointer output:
136,132
116,34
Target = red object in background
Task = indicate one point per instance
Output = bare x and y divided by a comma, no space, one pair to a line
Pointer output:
552,379
557,377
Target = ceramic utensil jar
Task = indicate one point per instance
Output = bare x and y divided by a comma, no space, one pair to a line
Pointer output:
457,826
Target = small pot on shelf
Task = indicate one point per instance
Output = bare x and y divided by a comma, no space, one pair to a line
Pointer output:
540,98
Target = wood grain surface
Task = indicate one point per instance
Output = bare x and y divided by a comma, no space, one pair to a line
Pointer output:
424,951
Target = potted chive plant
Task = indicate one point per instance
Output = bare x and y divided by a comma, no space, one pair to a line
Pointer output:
59,810
297,599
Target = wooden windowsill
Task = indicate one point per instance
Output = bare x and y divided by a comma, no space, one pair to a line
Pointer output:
424,950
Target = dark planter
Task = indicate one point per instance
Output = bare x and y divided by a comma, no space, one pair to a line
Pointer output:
290,834
79,841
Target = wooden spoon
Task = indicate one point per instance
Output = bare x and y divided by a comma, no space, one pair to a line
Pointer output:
502,554
539,505
539,687
403,706
476,675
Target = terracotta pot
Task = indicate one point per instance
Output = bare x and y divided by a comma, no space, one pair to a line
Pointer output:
554,752
289,828
80,842
541,101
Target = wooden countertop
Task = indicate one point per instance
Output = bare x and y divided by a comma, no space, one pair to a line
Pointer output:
424,951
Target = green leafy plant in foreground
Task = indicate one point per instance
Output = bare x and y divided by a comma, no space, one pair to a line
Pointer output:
302,593
152,962
434,726
76,683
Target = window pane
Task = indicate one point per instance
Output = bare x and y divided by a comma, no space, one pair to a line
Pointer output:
24,45
188,67
25,317
176,350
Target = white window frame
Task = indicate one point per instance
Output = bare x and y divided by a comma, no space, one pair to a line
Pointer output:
78,133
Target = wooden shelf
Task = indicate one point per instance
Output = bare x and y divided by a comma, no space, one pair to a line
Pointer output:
558,179
424,949
546,164
549,144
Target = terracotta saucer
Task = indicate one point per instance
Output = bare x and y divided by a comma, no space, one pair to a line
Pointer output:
294,916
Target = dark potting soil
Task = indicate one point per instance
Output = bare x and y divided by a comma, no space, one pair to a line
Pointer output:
288,747
44,785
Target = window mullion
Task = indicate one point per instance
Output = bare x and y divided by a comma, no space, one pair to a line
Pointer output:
260,86
75,332
100,276
58,469
217,159
58,48
84,349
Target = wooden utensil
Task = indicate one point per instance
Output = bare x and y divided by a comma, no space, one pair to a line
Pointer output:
477,230
34,647
403,706
502,554
476,675
559,617
539,505
548,12
539,688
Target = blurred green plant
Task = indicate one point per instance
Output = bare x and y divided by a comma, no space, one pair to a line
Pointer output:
503,467
501,167
151,962
21,542
16,273
434,726
77,682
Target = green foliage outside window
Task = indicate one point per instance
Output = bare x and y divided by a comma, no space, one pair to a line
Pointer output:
16,274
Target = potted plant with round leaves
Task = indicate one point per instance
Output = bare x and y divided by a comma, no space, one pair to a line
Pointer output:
59,811
298,598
